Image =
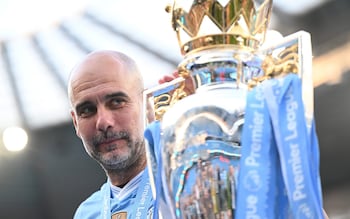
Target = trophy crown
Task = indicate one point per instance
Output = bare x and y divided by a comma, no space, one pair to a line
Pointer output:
203,24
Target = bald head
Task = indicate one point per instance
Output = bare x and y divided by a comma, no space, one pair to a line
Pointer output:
104,64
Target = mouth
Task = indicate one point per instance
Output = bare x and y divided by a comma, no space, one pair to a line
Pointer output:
111,144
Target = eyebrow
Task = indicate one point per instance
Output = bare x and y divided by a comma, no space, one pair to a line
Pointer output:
116,94
105,98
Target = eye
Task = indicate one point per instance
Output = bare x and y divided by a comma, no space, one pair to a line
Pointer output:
86,111
116,103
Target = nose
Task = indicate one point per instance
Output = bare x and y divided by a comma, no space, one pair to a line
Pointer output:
104,119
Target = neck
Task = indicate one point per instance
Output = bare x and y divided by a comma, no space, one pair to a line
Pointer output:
121,177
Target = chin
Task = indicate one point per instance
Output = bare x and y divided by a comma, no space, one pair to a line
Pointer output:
112,161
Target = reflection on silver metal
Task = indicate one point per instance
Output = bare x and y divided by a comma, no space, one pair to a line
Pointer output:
201,133
201,137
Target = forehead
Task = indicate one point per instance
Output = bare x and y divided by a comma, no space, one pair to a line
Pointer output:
100,76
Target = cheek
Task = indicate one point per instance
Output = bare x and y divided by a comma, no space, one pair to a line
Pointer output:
134,122
85,130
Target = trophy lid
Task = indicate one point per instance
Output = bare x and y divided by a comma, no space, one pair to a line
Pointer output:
204,24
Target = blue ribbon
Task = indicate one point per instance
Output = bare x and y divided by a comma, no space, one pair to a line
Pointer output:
287,164
152,135
256,174
298,150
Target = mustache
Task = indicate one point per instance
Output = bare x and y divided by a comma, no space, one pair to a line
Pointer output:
109,136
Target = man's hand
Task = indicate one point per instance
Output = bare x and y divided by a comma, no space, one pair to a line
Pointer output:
189,83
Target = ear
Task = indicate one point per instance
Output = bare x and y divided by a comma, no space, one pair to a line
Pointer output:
74,119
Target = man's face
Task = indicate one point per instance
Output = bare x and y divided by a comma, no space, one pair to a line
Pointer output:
107,113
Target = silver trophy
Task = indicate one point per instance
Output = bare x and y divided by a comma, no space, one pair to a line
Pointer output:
222,43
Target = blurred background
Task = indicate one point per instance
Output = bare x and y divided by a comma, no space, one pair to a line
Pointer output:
40,42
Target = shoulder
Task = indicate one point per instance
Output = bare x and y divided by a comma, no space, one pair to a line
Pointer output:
92,206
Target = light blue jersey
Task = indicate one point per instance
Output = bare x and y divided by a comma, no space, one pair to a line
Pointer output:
135,203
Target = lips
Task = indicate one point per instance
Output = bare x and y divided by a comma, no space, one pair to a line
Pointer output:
111,142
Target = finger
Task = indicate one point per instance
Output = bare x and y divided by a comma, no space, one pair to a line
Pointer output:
166,78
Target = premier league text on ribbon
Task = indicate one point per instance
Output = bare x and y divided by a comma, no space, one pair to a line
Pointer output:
253,181
257,130
287,112
294,160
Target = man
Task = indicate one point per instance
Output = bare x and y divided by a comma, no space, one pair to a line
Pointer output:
106,95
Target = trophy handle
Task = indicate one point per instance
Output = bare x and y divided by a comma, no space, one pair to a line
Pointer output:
159,98
292,55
